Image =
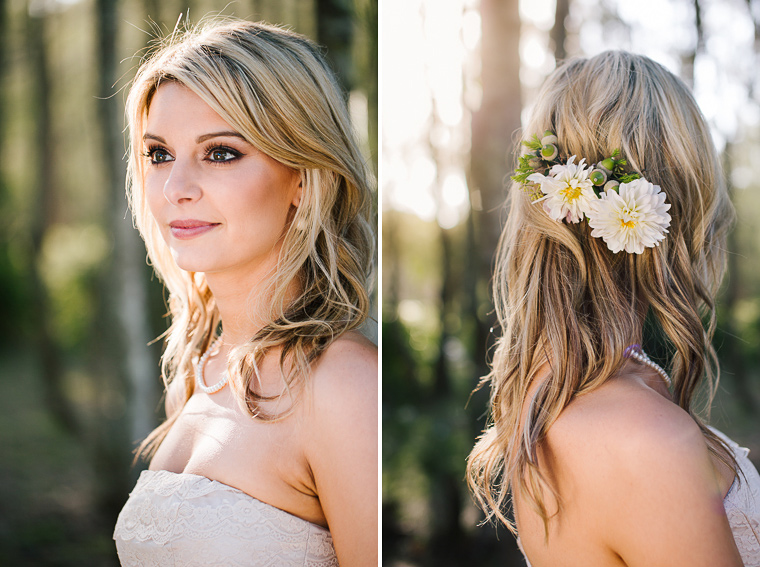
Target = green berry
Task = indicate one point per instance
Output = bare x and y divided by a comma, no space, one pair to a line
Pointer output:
535,162
598,177
549,152
548,133
546,140
611,185
608,164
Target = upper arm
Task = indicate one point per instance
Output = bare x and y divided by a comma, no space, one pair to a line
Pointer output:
342,448
660,501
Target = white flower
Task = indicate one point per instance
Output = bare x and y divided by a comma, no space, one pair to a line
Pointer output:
632,218
568,191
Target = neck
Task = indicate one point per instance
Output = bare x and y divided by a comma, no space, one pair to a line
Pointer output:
244,299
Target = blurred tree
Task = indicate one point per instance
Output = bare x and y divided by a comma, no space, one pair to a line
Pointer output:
690,56
126,309
335,31
494,126
558,34
44,191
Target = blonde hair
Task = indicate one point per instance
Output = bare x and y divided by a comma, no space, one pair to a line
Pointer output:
274,87
562,297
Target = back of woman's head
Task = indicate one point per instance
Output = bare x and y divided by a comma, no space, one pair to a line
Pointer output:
273,87
628,102
563,297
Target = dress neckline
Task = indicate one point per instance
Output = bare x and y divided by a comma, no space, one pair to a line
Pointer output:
223,486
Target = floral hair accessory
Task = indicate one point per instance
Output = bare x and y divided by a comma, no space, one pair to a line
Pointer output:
623,208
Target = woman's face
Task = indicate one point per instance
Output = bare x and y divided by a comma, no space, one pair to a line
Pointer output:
221,205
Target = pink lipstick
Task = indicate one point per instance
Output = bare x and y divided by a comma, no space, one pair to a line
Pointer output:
190,228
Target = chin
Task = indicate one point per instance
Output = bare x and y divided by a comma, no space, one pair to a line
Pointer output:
189,264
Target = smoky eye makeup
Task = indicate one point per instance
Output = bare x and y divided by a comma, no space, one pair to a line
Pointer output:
221,154
157,154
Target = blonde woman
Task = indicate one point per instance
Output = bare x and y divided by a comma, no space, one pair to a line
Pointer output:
253,198
618,214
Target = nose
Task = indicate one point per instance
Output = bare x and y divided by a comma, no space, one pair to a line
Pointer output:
182,185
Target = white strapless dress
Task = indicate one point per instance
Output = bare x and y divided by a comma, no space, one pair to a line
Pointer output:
742,504
190,520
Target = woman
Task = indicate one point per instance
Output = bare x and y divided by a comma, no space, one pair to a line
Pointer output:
248,186
618,217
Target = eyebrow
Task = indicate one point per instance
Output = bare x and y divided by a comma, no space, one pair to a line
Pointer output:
201,139
225,134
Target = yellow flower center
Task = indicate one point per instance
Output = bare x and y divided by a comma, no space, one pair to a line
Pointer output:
627,220
570,192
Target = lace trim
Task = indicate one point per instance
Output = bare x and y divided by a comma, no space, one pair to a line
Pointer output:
742,504
186,519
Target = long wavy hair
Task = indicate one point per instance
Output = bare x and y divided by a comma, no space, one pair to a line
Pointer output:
274,87
563,298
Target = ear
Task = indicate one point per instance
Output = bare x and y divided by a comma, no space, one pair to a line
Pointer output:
298,194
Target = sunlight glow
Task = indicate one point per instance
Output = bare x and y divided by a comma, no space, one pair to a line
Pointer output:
454,205
540,13
471,29
424,111
430,56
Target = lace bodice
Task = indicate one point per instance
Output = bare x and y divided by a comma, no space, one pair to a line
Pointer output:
742,504
190,520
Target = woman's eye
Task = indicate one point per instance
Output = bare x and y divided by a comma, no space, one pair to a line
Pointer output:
222,155
158,155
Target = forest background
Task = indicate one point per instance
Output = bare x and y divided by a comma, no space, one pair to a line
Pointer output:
78,303
457,81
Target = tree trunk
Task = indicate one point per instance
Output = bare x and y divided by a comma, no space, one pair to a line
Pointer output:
44,185
687,73
126,310
756,52
559,31
732,356
495,129
335,32
370,82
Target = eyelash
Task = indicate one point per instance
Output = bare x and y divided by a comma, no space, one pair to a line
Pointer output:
222,148
151,150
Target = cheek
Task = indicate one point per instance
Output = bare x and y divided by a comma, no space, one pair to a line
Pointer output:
268,202
154,194
264,216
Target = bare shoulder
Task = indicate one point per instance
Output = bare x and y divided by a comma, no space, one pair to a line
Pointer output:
342,445
346,373
626,414
636,470
623,432
622,418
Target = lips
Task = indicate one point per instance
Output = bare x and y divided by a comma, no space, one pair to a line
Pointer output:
190,228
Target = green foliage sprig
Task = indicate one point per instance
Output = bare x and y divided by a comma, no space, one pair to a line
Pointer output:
540,154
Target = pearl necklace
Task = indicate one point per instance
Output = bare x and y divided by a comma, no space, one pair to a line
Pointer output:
200,381
637,353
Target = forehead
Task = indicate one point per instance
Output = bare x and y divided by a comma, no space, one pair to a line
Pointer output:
176,107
